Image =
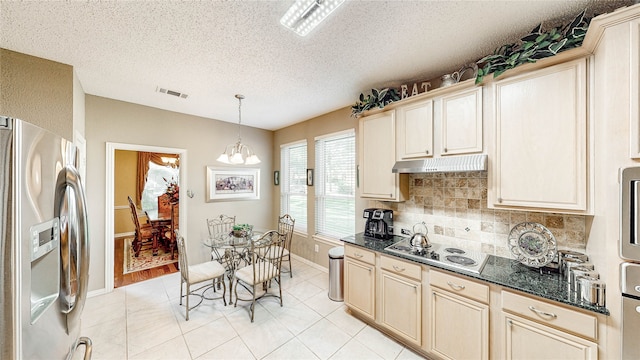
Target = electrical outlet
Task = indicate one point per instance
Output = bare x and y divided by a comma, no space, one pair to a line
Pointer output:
405,232
317,248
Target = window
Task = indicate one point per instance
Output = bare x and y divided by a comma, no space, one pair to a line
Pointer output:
336,184
293,188
156,185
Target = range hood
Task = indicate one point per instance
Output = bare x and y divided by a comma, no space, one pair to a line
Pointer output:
443,164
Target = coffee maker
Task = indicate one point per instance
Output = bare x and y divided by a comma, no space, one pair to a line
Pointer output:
379,223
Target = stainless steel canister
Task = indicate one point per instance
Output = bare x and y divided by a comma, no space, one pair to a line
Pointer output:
592,290
570,254
577,271
569,263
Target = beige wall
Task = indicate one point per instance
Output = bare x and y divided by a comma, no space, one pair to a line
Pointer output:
38,91
121,122
124,184
304,244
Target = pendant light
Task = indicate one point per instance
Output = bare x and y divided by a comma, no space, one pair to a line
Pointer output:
238,153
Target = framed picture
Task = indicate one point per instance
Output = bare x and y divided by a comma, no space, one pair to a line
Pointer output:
229,184
276,178
309,177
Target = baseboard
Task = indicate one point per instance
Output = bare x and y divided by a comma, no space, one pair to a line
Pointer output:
96,292
126,234
310,263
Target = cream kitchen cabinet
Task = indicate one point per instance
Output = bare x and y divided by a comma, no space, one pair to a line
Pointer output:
401,298
541,152
377,156
634,78
360,280
415,130
461,121
446,124
535,329
458,318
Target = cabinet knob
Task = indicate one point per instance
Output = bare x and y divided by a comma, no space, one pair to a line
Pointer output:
397,268
357,255
499,200
390,195
445,150
426,151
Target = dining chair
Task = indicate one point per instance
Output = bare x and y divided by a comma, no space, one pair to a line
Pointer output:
220,225
265,255
196,274
164,206
143,232
285,226
171,233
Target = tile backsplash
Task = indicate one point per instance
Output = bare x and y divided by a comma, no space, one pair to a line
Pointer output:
454,208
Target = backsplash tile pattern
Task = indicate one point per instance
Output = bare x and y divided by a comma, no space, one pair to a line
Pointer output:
454,208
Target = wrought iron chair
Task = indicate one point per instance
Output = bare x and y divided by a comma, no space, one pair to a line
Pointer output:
195,274
143,233
285,227
220,225
265,256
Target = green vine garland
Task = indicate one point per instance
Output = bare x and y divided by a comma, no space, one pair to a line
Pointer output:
534,46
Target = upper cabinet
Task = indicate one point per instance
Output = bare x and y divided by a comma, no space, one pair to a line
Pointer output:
446,124
634,78
540,155
415,130
461,121
377,157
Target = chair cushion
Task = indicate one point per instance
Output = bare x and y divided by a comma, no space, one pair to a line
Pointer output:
146,232
245,274
206,271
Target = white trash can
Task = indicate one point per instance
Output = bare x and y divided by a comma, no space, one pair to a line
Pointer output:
336,278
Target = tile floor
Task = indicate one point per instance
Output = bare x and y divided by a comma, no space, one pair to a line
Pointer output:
145,321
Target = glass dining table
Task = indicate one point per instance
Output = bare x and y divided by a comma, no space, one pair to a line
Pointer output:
232,251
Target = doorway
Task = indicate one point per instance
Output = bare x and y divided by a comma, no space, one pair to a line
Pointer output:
110,235
146,178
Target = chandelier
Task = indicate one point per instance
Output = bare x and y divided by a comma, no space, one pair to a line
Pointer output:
238,153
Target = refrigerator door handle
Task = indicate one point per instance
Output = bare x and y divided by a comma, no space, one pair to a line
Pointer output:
73,263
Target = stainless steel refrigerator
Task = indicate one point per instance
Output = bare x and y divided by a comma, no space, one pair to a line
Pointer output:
44,245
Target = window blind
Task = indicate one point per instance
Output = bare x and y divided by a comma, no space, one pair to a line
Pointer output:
335,184
293,191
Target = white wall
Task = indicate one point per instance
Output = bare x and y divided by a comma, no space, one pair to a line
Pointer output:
120,122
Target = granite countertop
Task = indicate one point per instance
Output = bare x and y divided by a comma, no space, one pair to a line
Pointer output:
501,271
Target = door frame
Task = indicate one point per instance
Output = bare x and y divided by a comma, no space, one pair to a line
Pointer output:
109,232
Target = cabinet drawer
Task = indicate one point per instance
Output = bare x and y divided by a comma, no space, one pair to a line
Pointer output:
552,315
400,267
360,254
460,286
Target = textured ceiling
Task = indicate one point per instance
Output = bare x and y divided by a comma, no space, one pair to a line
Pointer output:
212,50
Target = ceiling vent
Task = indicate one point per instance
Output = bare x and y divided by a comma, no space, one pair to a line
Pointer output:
171,92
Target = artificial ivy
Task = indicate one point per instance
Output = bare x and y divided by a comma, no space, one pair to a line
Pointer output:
535,45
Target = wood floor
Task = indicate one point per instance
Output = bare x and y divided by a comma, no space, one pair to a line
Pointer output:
120,279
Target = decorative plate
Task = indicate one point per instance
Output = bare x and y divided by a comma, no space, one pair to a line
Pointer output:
532,244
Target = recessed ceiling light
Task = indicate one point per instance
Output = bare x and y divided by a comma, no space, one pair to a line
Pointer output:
304,15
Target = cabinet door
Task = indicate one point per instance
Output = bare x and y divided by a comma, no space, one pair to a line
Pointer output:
402,306
459,327
415,130
634,77
541,140
525,339
462,122
377,157
359,285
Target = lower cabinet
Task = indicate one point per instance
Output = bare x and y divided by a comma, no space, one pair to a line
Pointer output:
525,339
359,287
458,326
401,299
